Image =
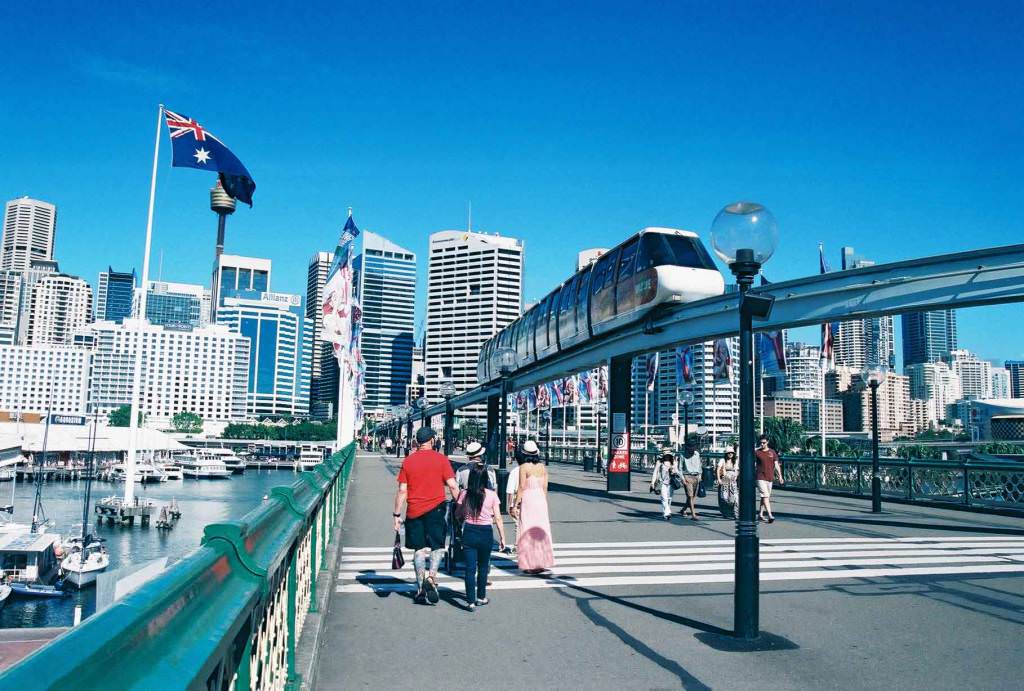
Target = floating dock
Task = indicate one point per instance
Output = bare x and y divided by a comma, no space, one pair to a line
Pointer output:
115,510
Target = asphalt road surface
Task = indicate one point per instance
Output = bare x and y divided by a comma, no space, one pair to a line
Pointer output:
914,598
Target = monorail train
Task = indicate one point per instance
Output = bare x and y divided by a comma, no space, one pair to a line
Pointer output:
652,267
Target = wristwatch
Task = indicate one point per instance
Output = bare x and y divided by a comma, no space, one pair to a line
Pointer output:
397,515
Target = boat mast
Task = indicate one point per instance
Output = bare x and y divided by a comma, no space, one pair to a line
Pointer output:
37,506
90,464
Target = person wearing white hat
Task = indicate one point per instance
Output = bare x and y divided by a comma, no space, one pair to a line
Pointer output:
529,448
475,456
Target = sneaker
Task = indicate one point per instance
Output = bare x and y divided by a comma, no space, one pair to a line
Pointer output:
470,608
430,587
483,601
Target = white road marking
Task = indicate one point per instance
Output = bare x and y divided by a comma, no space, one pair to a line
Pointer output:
367,569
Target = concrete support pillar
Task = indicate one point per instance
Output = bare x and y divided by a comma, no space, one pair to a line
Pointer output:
619,417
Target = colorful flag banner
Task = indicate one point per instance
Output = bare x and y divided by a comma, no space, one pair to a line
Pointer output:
723,360
585,386
771,352
652,370
570,393
684,366
602,383
531,398
543,397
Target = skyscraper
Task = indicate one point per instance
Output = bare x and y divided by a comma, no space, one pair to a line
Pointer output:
936,383
280,348
975,375
177,305
323,388
28,233
115,291
1016,370
10,306
241,274
928,336
386,288
864,341
474,288
61,305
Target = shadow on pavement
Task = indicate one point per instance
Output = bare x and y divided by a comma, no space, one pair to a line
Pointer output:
917,525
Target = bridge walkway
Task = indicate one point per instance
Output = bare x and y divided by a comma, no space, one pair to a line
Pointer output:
915,597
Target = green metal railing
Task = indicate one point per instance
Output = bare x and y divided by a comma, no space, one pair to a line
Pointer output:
228,616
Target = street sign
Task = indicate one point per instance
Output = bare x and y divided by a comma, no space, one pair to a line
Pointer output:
620,453
56,419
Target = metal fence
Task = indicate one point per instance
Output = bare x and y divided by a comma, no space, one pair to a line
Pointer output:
227,616
987,482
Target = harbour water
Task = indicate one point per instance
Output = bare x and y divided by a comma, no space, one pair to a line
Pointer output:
201,502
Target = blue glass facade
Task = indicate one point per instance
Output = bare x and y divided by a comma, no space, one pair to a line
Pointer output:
117,296
173,309
279,334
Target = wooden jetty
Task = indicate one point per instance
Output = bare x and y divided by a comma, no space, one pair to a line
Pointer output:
116,510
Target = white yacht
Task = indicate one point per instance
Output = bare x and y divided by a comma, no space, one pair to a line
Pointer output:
81,566
233,463
145,473
203,464
310,456
171,471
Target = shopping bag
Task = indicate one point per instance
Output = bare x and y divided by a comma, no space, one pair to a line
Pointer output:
701,492
397,560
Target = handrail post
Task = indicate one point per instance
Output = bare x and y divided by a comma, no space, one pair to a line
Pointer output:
294,678
323,536
312,565
967,483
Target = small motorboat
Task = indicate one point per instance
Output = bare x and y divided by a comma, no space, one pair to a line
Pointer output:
5,592
39,589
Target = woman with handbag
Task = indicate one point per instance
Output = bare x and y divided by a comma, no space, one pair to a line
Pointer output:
480,507
728,491
665,481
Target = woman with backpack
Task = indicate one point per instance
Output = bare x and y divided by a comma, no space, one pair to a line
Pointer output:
480,508
665,481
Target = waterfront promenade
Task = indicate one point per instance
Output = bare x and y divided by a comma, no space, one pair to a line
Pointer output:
913,598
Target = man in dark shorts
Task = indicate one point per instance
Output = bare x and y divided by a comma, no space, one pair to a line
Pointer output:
421,482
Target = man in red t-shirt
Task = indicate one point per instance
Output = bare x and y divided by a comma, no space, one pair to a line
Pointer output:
421,484
768,467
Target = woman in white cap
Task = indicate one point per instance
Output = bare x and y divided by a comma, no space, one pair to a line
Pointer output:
475,456
534,549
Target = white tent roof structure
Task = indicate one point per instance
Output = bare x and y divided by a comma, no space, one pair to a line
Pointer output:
76,438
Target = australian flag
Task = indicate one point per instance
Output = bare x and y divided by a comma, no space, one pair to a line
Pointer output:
194,146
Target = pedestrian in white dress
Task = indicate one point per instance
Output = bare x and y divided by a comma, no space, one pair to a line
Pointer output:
662,482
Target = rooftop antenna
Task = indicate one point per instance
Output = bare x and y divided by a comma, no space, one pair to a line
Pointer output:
469,220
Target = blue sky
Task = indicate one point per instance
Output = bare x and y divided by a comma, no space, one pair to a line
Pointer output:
893,129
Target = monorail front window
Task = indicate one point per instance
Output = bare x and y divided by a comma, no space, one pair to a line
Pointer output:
658,249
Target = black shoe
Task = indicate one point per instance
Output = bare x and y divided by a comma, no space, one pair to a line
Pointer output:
419,598
431,589
668,518
771,519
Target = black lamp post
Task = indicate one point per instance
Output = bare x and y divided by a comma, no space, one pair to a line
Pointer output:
874,376
744,235
447,390
421,405
505,361
686,399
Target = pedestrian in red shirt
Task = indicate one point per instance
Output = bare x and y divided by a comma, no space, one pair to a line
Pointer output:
421,485
768,467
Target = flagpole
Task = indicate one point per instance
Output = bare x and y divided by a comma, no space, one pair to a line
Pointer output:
338,432
133,421
821,410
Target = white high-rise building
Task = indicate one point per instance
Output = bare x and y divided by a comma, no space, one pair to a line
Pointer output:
10,306
203,371
803,370
474,288
60,306
28,233
865,341
975,375
1000,382
936,383
44,378
385,276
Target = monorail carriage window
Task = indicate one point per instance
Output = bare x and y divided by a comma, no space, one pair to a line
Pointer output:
602,288
541,325
583,300
624,298
658,249
567,309
553,319
521,331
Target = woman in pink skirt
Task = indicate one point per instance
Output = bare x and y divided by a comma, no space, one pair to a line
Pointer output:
534,551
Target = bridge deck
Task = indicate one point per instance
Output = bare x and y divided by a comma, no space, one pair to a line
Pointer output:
915,598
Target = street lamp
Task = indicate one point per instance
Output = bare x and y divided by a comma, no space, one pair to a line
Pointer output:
447,391
404,420
874,376
685,398
505,361
421,405
744,236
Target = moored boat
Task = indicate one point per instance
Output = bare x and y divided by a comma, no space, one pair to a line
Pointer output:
81,566
203,465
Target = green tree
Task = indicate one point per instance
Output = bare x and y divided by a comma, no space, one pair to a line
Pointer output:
187,422
784,435
121,416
